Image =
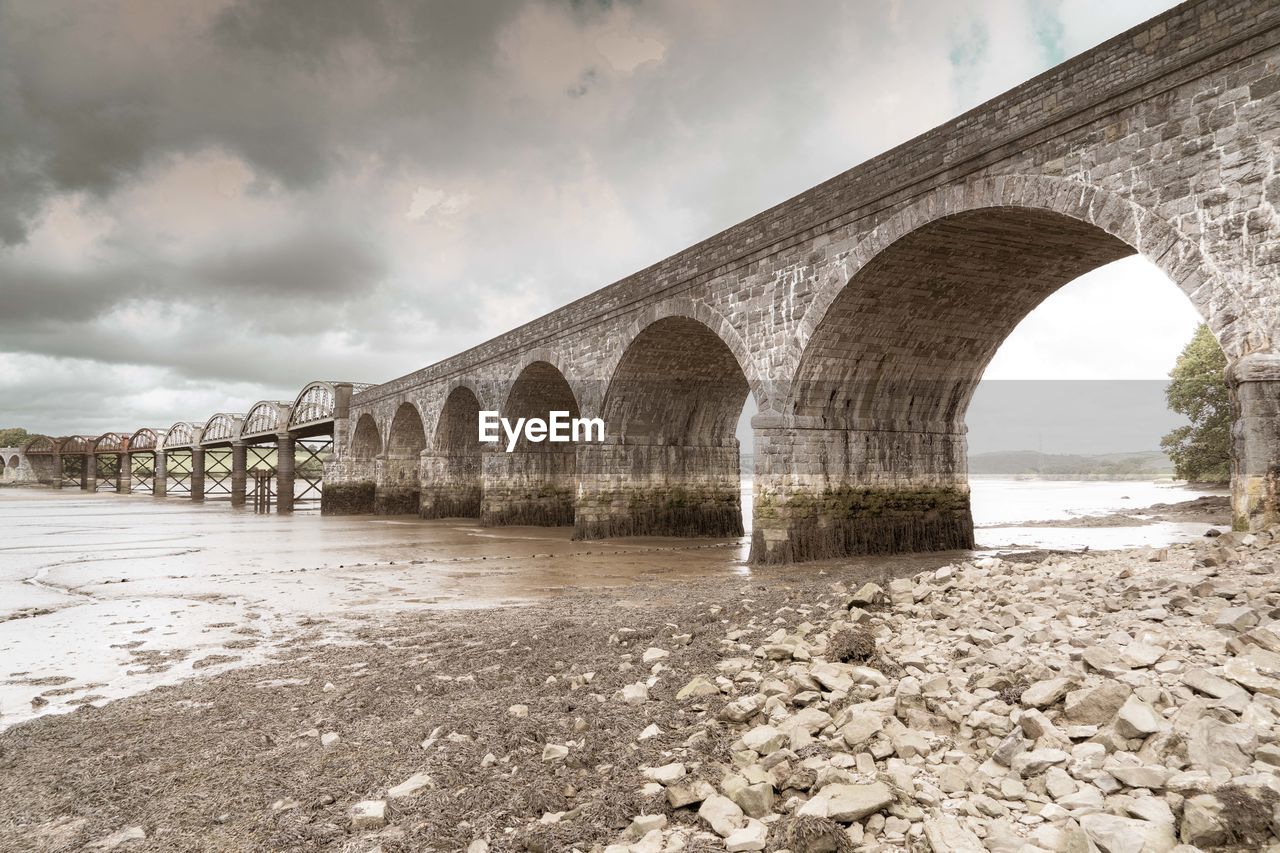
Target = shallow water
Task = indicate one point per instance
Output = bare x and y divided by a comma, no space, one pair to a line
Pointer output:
121,593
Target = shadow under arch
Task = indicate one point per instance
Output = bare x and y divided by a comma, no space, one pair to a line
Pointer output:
399,489
536,482
452,478
895,343
670,465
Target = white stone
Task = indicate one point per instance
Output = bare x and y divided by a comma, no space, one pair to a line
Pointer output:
369,814
410,787
722,814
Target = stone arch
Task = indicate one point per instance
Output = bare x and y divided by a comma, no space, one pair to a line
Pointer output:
14,463
712,319
671,408
898,336
366,439
536,483
453,465
399,492
1215,293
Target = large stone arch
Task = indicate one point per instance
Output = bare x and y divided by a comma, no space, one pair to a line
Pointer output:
399,484
536,482
719,325
670,465
871,439
1215,293
452,467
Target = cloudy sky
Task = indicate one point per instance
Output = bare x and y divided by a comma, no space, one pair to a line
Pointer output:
205,202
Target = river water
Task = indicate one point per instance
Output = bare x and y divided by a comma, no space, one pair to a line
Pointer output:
105,595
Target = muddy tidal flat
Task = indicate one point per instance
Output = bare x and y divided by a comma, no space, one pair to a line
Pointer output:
1037,701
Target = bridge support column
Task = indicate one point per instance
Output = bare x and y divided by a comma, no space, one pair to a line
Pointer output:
822,493
450,485
239,472
529,487
89,473
124,474
658,490
58,471
399,490
1255,441
284,473
160,481
197,473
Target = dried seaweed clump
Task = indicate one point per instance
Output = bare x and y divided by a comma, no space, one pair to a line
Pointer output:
1012,693
1246,815
809,834
852,645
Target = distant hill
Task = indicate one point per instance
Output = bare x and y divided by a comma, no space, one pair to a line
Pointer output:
1142,465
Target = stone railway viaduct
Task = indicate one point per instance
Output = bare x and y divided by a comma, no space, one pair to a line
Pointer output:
861,315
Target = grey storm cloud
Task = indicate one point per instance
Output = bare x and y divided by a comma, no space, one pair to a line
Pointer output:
259,192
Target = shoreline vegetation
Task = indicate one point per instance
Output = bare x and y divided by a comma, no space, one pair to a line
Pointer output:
823,709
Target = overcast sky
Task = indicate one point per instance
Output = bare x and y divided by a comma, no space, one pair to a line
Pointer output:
207,203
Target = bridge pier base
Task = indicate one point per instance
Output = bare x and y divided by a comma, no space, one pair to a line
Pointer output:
451,485
533,487
160,476
822,493
89,474
197,474
658,490
1255,439
285,463
124,474
239,472
398,491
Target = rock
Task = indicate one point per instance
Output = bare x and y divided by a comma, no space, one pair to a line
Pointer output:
741,710
1036,761
635,694
642,825
1046,693
478,846
652,655
1137,719
722,814
946,835
369,814
754,800
861,728
518,711
650,732
666,774
1096,705
869,595
119,838
1214,744
848,803
750,837
697,688
329,739
1115,834
1239,618
1202,822
1141,655
410,787
1245,673
765,739
554,752
686,792
1233,695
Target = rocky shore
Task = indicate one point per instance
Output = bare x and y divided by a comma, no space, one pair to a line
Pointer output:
1110,701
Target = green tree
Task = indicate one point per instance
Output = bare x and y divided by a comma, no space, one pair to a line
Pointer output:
1201,451
13,437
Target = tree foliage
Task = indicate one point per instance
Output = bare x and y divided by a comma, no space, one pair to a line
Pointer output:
1201,451
13,437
